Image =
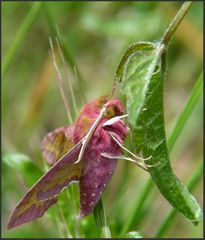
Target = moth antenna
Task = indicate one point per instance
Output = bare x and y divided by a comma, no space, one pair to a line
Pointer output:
67,73
124,148
59,81
89,134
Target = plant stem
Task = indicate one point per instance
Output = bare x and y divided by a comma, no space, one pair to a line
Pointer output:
167,221
175,23
101,220
180,123
19,36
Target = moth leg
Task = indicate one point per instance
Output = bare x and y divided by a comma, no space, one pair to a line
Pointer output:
117,157
141,165
124,148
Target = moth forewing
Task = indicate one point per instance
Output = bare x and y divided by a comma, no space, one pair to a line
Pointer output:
44,193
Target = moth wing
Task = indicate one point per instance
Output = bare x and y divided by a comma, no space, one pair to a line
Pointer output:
44,193
55,144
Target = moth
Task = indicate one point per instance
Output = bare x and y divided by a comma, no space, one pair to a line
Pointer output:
85,151
76,154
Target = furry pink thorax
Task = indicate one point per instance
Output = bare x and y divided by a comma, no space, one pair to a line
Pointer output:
98,170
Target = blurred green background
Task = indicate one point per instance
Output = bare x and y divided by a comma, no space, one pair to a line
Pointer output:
95,35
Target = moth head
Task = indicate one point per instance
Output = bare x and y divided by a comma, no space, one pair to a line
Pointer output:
114,107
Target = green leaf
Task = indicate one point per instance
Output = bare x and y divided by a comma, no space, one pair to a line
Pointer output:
23,164
101,221
135,71
142,71
136,215
168,220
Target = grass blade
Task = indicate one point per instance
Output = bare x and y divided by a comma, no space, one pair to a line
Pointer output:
135,215
101,220
168,220
181,121
19,36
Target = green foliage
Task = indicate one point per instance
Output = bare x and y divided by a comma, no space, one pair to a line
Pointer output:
93,36
172,213
142,70
143,87
181,121
20,35
135,72
136,215
23,164
101,221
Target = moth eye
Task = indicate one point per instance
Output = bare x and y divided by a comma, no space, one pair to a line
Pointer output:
109,113
116,109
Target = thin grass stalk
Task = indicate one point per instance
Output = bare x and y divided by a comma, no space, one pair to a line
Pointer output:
101,220
67,53
135,216
10,55
169,218
180,123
